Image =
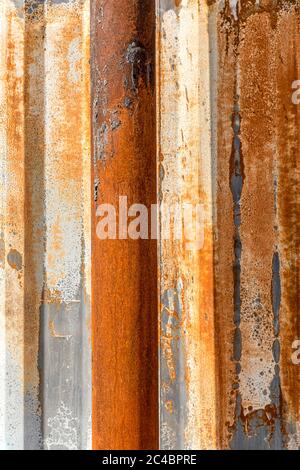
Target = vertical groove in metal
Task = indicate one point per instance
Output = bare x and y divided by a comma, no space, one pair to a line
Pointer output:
45,224
124,279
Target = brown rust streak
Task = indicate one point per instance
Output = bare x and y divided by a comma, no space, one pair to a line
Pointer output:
14,219
124,272
258,234
224,229
34,138
288,128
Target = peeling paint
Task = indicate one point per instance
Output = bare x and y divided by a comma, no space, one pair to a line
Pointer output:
175,5
173,390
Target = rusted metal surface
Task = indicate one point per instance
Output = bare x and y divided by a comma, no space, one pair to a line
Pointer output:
124,279
45,225
229,136
196,341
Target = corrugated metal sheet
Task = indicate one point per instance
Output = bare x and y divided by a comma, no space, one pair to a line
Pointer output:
183,103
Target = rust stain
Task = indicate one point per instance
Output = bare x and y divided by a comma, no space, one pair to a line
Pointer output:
34,36
224,228
54,332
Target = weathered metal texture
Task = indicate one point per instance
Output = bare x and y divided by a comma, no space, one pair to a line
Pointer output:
124,279
228,135
45,225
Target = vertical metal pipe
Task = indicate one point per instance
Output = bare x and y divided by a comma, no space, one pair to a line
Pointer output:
124,271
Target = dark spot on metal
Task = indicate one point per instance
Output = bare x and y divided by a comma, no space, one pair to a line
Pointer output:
237,345
161,172
141,66
276,291
237,279
236,163
101,141
96,188
127,102
15,260
236,185
259,429
276,350
115,123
